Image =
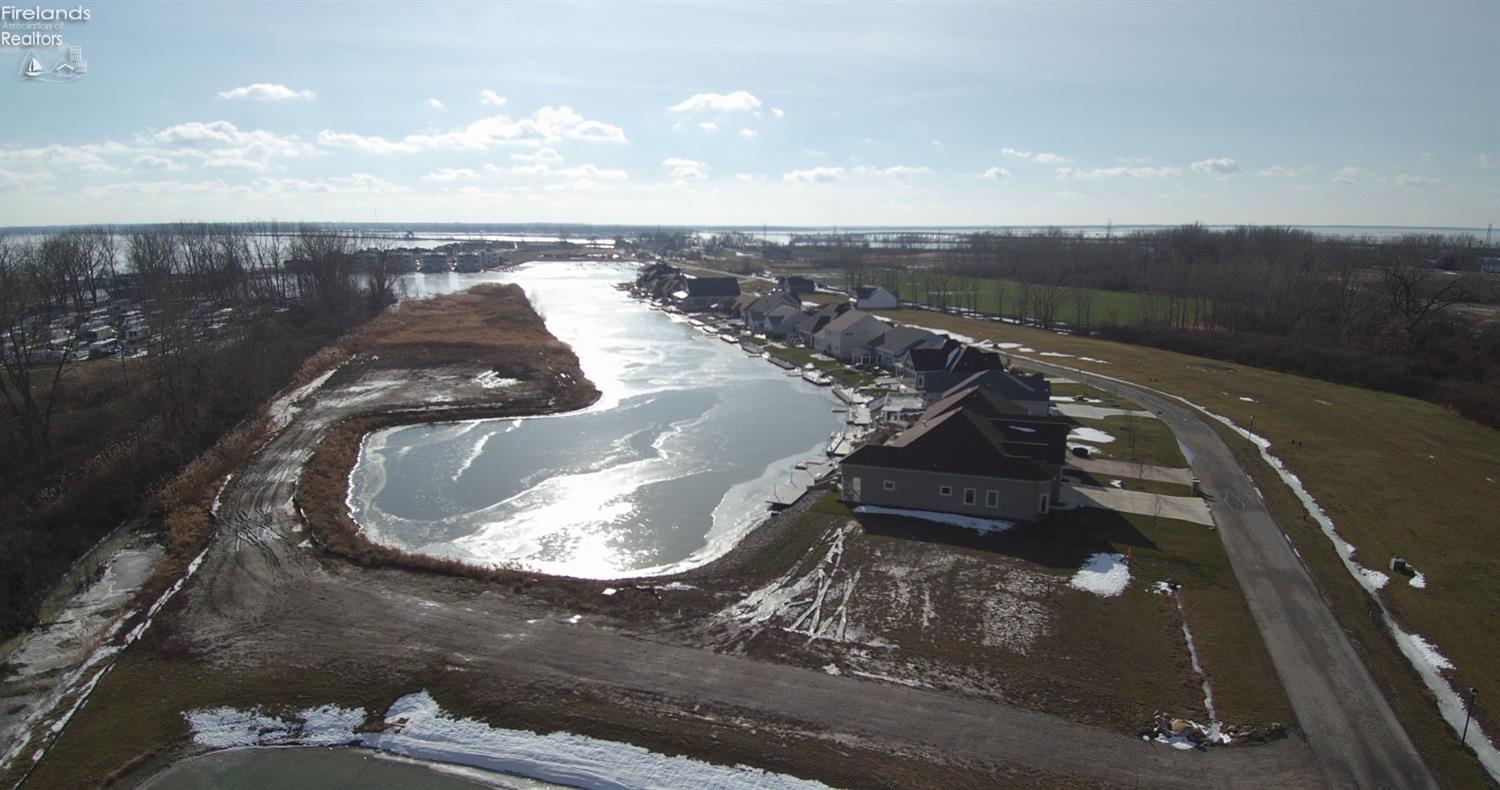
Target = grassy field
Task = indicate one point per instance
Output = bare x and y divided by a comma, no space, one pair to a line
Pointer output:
1105,307
1397,475
1137,439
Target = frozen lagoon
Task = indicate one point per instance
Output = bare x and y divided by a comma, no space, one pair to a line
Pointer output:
668,471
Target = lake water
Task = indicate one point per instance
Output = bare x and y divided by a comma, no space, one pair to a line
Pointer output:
668,471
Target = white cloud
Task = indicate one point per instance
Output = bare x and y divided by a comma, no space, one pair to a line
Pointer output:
938,144
995,173
893,170
436,104
450,174
1417,182
738,101
222,144
539,155
546,125
490,98
1349,174
814,175
591,172
709,126
748,134
531,170
1119,172
153,162
87,158
1222,166
369,145
266,91
1042,158
746,177
778,112
1284,171
686,168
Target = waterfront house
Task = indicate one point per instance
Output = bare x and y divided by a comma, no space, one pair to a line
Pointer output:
820,318
873,297
845,335
963,361
756,314
1031,391
783,320
888,350
956,462
1042,438
703,293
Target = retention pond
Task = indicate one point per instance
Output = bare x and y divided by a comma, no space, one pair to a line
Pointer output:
668,471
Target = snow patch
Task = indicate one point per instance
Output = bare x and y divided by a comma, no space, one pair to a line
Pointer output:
491,380
1092,435
1105,575
1247,399
832,669
1055,354
1418,581
984,525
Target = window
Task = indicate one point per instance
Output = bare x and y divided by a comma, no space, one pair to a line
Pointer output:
992,499
889,485
968,496
945,490
1044,503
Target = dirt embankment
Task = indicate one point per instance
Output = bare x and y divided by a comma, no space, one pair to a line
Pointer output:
490,327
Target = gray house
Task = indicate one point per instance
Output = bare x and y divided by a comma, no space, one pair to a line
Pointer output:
784,320
845,335
756,314
702,293
1031,391
873,297
888,350
820,319
962,362
954,463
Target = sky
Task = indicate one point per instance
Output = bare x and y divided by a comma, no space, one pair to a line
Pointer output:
761,113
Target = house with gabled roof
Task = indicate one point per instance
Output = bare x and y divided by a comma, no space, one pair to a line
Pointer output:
962,361
847,334
888,350
954,462
702,293
873,297
1029,390
755,315
796,285
784,320
820,318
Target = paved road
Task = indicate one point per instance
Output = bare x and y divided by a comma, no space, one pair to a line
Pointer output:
261,600
1126,469
1349,725
1183,508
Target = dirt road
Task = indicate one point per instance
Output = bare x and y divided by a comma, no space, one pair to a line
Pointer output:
265,598
1348,723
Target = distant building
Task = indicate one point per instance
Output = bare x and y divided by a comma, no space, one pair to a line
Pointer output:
844,336
871,297
796,285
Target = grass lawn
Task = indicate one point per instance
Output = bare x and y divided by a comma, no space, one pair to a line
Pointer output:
801,356
1396,474
1107,307
1137,439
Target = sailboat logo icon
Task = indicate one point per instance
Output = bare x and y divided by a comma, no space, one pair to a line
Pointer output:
71,67
33,68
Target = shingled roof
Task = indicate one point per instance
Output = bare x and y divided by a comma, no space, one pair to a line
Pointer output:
959,442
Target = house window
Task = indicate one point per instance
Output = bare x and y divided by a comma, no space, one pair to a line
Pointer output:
945,490
921,381
1044,503
992,499
889,485
968,496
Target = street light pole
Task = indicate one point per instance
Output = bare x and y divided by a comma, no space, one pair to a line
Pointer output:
1468,712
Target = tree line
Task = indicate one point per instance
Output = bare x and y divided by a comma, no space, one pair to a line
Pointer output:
125,355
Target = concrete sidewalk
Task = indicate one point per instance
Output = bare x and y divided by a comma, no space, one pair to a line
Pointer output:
1182,508
1126,469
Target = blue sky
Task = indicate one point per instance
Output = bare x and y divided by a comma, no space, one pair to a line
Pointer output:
806,114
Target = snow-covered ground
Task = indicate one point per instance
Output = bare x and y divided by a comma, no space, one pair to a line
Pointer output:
417,727
986,525
1090,435
1105,575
